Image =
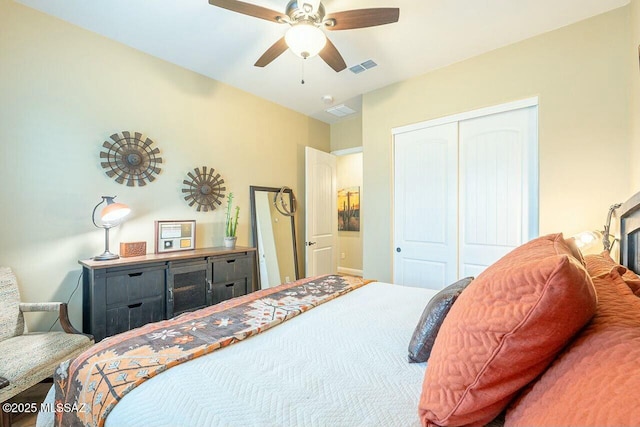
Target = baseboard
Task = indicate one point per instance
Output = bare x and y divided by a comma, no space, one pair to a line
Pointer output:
350,271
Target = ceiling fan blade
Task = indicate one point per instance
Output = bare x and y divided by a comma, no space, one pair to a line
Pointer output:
362,18
272,53
332,57
248,9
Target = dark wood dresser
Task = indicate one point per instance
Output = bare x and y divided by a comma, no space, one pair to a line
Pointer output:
126,293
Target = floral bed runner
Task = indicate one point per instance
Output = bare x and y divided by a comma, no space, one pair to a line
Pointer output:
93,383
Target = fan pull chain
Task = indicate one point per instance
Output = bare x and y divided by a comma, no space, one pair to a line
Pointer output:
302,80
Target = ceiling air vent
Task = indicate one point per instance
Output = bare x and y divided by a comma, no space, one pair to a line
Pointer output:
340,110
369,64
357,69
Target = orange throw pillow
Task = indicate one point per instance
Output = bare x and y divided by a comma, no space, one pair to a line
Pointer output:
595,381
598,264
503,331
602,263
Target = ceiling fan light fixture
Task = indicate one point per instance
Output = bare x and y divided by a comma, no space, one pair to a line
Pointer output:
305,39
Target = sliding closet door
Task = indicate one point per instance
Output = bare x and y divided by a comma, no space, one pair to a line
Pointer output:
425,206
498,186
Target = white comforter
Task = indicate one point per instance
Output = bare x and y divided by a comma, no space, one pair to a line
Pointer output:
343,363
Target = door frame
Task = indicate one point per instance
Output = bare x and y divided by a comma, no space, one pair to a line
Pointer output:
486,111
532,152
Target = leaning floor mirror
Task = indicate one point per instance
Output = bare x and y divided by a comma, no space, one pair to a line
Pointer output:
274,234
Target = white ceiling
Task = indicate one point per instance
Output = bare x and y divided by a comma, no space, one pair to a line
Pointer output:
224,45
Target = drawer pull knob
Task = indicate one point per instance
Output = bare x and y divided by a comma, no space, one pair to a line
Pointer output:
229,285
135,274
136,305
229,261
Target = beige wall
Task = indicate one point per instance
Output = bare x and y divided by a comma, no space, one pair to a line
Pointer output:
580,74
347,133
635,93
349,174
63,91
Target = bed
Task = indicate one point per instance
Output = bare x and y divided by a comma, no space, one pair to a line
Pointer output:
545,336
326,358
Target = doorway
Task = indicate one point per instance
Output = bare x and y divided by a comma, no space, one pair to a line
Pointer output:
333,235
349,187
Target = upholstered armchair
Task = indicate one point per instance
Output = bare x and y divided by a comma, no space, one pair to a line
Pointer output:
26,358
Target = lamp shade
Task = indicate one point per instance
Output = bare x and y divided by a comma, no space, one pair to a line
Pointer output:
114,212
111,215
588,242
305,40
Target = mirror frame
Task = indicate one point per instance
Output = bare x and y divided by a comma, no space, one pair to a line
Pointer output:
254,228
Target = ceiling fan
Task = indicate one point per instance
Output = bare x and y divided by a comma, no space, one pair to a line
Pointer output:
307,18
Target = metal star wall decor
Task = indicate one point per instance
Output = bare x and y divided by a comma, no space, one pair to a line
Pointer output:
130,158
204,189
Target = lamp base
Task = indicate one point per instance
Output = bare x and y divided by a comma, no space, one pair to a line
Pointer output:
105,256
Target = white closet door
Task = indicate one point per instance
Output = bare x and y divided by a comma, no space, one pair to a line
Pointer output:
425,207
498,186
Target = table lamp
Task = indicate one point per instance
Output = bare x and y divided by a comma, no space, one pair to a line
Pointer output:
112,215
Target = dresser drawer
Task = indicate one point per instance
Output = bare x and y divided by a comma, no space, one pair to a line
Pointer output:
126,286
231,268
127,317
225,291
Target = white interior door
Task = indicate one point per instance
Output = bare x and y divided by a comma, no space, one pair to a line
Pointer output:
321,230
498,186
425,206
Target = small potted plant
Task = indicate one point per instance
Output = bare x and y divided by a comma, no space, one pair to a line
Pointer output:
231,226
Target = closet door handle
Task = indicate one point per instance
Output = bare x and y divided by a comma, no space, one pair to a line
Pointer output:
398,249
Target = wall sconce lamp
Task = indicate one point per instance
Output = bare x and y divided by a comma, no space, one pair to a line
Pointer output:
606,243
112,215
587,240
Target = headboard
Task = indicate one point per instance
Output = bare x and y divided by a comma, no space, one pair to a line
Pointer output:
629,214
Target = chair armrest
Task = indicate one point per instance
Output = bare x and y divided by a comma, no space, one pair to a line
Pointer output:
26,307
60,307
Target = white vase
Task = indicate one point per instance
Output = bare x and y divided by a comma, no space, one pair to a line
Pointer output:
230,242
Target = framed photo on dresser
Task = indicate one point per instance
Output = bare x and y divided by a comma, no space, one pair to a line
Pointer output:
175,235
